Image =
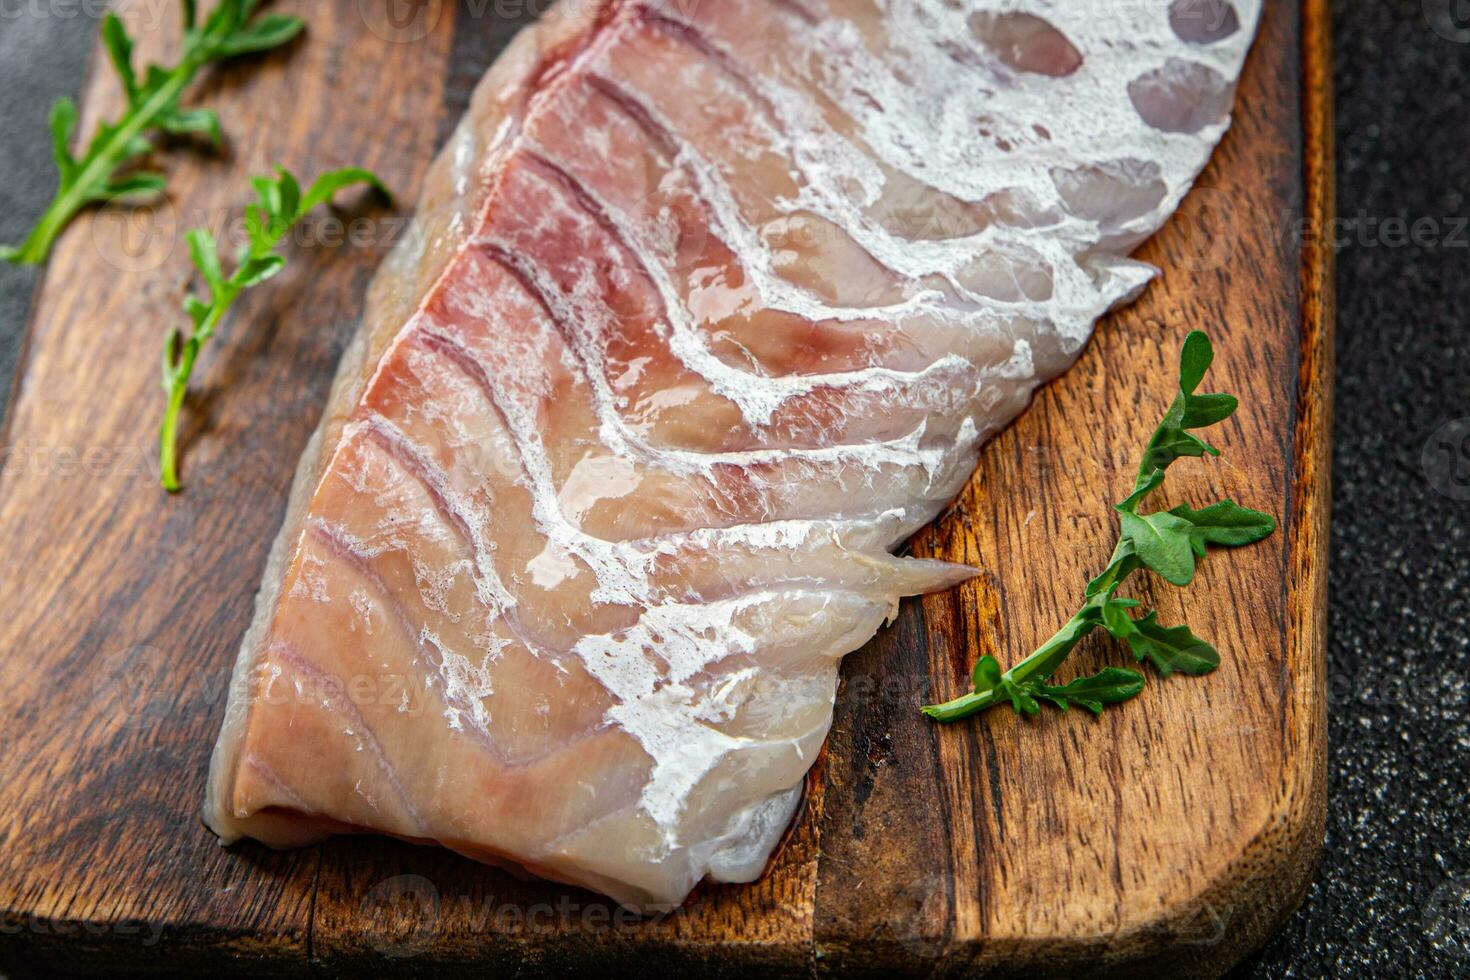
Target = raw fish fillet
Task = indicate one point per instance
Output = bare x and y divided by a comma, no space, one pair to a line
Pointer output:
712,304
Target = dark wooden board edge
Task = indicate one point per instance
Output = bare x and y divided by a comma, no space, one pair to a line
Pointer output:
1271,876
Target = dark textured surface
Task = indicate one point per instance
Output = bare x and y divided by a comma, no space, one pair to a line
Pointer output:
1392,897
43,55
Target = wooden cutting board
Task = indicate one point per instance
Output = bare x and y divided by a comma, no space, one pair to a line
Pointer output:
1171,835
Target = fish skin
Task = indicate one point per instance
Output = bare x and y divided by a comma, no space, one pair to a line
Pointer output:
709,306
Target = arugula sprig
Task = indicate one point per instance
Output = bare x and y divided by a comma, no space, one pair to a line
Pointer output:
230,29
280,204
1166,542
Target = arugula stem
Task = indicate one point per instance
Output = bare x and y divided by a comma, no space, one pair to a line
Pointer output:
91,174
107,158
168,437
1037,667
178,389
1166,542
279,206
963,706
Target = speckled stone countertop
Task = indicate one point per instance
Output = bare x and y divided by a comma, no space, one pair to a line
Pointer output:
1392,895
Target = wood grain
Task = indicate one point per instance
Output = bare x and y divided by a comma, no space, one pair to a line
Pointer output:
1168,837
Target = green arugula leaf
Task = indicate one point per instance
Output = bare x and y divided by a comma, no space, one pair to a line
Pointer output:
63,123
136,184
1123,563
329,183
279,206
1161,541
120,53
1021,698
1111,685
152,104
1116,619
1165,542
286,198
204,251
1225,523
1195,358
268,191
188,122
1201,411
257,269
1172,440
1145,486
271,31
1171,649
1171,445
986,675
